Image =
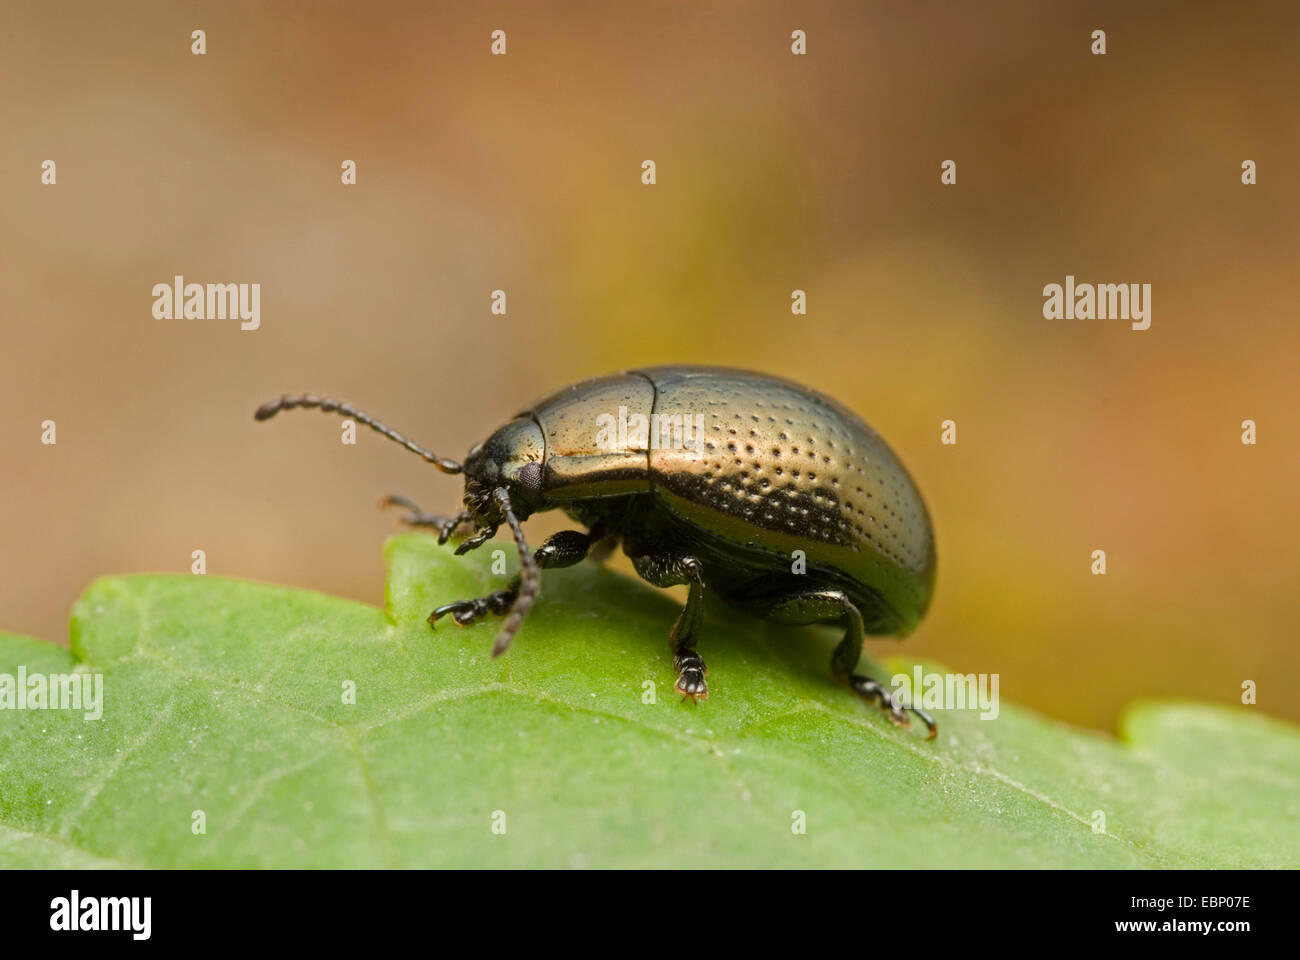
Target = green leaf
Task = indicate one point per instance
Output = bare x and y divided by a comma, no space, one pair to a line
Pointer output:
227,698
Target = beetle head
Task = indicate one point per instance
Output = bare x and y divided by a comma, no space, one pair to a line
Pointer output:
503,484
510,458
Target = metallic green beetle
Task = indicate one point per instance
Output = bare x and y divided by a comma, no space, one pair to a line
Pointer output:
770,493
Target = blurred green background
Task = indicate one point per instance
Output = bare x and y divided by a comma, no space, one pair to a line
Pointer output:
775,172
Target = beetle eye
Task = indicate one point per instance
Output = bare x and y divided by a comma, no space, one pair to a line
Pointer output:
530,476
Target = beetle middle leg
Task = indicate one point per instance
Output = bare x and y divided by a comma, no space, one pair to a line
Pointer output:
667,570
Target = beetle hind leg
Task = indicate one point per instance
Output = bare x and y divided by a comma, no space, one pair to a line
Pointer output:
844,662
870,690
777,601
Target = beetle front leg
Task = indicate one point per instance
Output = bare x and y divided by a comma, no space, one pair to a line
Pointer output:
564,549
465,612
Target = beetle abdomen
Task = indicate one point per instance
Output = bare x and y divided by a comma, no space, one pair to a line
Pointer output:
779,468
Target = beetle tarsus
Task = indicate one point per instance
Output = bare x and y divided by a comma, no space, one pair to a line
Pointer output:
467,612
473,543
894,708
690,676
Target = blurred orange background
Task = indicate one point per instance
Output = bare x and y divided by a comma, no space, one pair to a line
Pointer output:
775,172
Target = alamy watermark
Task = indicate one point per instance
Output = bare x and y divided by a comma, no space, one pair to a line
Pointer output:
948,691
659,431
76,913
179,300
1098,301
53,691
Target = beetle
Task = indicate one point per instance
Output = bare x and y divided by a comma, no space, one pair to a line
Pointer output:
769,493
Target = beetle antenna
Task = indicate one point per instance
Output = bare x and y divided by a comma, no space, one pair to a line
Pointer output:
326,405
530,578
